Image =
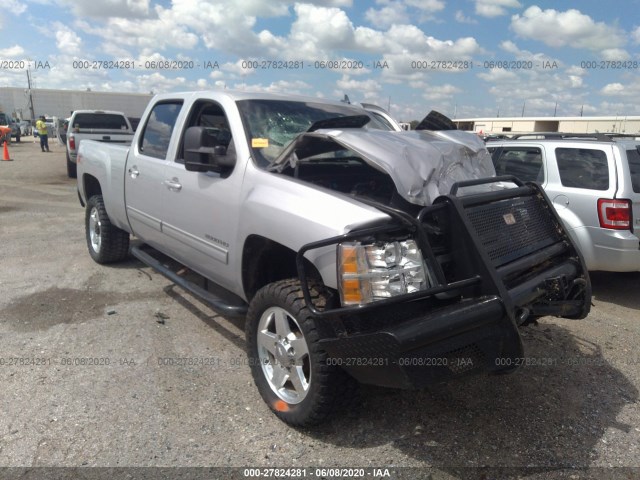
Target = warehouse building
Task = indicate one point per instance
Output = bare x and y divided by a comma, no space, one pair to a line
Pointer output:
496,125
60,103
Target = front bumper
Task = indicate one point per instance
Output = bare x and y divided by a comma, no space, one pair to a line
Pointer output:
497,259
467,337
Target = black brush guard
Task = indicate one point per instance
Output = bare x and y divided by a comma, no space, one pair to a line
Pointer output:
497,259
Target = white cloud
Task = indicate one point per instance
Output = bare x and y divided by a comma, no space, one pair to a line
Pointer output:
318,29
617,89
228,25
157,33
362,87
108,8
635,35
426,5
539,89
511,47
620,109
13,52
331,3
14,6
440,92
238,68
495,8
518,54
570,28
359,90
157,82
67,41
258,8
409,39
498,76
461,18
396,12
116,51
576,81
615,54
282,86
461,49
392,14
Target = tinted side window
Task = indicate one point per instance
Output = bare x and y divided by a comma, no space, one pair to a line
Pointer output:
583,168
634,167
157,131
100,121
525,163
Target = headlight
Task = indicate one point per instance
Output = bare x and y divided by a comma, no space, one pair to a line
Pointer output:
378,271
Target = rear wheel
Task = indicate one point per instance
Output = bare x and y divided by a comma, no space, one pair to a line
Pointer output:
288,365
107,243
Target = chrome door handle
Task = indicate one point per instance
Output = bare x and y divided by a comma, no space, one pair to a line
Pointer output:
173,184
133,172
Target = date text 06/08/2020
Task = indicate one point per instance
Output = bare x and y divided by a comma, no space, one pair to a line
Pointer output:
330,472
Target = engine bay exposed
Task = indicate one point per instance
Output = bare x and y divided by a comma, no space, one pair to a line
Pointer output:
346,174
322,161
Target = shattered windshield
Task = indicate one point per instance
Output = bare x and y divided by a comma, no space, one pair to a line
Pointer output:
271,125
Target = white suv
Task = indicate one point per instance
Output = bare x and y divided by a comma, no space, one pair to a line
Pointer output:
593,181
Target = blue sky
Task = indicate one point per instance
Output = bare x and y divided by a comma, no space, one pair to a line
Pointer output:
467,58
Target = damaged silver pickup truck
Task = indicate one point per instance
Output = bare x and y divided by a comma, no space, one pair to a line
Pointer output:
355,252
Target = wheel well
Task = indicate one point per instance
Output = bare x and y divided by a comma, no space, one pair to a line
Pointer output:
91,186
265,261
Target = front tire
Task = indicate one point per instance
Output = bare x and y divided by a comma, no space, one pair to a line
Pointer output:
107,243
288,365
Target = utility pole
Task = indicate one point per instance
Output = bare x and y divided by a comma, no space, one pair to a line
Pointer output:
33,115
523,104
555,109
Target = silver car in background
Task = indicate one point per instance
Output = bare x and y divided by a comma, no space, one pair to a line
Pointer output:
593,181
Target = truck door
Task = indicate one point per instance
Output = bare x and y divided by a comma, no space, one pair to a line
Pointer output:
199,209
144,172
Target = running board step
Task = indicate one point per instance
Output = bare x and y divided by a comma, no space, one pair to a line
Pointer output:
218,304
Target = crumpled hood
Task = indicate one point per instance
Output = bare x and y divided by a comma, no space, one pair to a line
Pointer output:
423,164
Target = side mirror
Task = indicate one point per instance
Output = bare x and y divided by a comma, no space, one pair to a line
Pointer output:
202,153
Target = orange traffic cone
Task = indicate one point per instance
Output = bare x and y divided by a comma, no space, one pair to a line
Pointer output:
5,153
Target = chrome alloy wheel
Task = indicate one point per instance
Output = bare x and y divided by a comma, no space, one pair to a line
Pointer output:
94,230
284,355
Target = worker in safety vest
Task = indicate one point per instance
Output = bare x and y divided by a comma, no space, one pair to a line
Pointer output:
41,126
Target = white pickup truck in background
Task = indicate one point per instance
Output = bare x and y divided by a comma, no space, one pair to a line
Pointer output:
100,125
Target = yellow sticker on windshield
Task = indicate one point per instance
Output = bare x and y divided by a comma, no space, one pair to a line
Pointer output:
259,142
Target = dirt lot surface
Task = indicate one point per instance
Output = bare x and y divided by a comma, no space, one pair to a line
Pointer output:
92,373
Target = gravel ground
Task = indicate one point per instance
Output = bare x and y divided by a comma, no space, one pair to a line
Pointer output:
101,393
